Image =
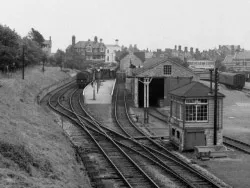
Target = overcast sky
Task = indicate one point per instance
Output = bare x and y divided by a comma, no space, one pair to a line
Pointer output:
152,24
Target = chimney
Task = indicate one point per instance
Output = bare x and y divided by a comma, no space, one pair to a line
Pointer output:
50,38
232,49
186,49
100,40
175,47
116,42
191,50
219,47
96,39
73,40
196,50
179,48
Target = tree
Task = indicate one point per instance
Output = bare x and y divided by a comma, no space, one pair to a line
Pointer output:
33,52
36,36
220,65
8,46
59,57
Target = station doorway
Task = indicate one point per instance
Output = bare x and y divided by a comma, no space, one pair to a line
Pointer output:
156,92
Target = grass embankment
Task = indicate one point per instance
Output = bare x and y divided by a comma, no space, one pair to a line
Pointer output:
34,151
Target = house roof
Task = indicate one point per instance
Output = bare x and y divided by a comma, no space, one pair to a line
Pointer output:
84,44
194,90
121,54
242,55
153,62
140,55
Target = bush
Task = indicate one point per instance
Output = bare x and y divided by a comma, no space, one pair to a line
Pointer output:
19,155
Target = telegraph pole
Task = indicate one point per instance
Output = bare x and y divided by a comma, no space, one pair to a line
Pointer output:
215,103
23,62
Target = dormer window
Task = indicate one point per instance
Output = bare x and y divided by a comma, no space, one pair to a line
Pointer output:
102,49
167,69
89,49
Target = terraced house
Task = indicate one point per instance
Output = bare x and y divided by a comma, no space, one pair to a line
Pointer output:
91,50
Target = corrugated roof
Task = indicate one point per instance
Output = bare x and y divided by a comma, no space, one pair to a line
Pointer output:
194,90
153,62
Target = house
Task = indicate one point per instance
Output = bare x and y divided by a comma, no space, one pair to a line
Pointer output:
46,46
111,49
192,116
239,62
90,50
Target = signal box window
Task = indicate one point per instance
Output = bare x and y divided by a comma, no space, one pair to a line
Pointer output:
167,69
196,110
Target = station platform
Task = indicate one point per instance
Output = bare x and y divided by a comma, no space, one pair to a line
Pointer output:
103,93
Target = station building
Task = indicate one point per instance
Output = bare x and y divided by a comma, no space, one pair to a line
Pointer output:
192,116
150,84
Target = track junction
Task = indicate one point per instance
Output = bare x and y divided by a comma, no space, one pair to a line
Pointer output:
126,155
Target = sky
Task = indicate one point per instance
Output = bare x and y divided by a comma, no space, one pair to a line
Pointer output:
152,24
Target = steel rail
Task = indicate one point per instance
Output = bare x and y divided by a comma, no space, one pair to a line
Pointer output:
115,144
175,158
110,138
81,124
237,144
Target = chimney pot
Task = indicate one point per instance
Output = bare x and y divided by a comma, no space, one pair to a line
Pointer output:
73,40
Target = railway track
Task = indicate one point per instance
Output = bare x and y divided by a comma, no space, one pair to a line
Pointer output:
127,172
126,160
159,153
239,145
121,116
158,115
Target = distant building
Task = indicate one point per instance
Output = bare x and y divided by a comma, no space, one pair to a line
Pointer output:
229,49
90,50
46,46
111,49
240,61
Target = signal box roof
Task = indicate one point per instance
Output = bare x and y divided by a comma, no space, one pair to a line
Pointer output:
194,90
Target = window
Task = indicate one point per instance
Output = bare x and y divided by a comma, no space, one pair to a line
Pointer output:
89,49
176,110
167,69
178,134
196,110
173,132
